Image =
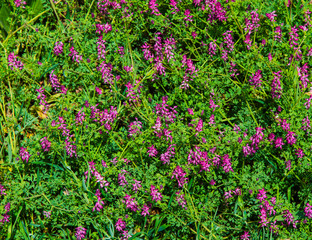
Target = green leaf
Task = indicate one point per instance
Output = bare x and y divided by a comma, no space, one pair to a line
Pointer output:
4,14
36,6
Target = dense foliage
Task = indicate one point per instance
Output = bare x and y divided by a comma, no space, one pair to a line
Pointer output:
155,119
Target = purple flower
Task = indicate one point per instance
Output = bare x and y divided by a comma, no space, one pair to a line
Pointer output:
226,163
153,6
261,196
136,185
58,48
271,16
45,144
24,154
212,182
279,142
80,233
300,153
19,3
130,203
276,90
179,174
255,79
135,128
165,157
74,55
308,210
14,63
152,151
290,138
156,196
181,200
145,210
245,236
47,214
99,204
2,190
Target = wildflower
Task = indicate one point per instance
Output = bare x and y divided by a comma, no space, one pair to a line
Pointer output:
255,79
276,90
70,147
212,182
169,45
271,16
145,210
293,38
227,46
152,151
279,142
212,49
188,17
24,154
308,210
163,110
290,138
300,153
217,12
289,218
156,196
278,33
42,98
58,48
74,54
136,185
165,157
19,3
253,22
45,144
245,236
99,204
122,178
47,214
80,233
80,117
153,6
288,164
134,128
101,48
212,120
233,70
2,190
14,63
303,76
181,200
228,195
179,174
261,196
133,91
6,216
130,203
226,163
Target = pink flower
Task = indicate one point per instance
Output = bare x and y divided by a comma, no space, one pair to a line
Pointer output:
279,142
152,151
14,63
120,225
19,3
24,154
156,196
58,48
255,79
45,144
145,210
181,200
80,233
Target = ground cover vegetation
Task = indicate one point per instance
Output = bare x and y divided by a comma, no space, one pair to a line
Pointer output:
155,119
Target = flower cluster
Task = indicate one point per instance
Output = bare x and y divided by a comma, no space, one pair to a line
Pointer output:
14,63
